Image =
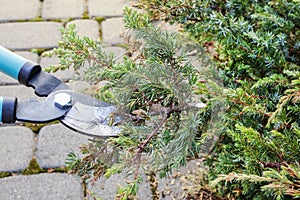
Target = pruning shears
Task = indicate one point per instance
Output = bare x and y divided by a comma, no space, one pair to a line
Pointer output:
77,111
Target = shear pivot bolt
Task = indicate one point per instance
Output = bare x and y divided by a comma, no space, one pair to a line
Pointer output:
62,100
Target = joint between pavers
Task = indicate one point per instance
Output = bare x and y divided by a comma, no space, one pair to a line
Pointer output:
40,9
85,14
8,84
110,16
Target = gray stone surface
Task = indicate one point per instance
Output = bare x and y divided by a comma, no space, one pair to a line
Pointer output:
55,142
41,187
87,27
117,51
54,9
64,75
112,30
16,148
29,55
19,10
165,26
79,86
177,184
28,35
107,188
107,8
19,91
6,80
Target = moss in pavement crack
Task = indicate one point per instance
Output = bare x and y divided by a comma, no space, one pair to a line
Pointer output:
33,168
4,174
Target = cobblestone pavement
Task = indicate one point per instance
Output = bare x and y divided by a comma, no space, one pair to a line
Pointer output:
34,24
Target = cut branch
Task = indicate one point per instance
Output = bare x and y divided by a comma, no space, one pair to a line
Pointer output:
142,146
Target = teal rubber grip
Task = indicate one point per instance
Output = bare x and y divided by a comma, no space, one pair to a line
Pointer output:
8,108
11,63
1,103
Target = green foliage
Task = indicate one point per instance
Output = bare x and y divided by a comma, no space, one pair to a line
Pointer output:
126,193
165,102
75,52
256,49
256,46
276,184
5,174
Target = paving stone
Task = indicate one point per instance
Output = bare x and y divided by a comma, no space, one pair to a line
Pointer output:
107,8
41,187
64,75
55,142
16,148
165,26
117,51
175,186
107,188
29,55
54,9
111,31
19,10
87,27
6,80
28,35
80,86
19,91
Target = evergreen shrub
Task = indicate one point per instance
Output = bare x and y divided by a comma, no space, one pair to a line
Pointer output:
173,109
256,46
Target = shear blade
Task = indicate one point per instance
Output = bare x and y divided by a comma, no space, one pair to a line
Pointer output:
92,121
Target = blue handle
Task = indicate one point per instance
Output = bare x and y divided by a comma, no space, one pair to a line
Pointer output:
17,67
8,106
11,63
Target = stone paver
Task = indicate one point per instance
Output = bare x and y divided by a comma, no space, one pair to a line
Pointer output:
55,142
29,55
41,187
117,51
55,9
64,75
19,91
16,150
87,27
19,10
80,86
175,186
28,35
106,8
107,188
7,80
111,31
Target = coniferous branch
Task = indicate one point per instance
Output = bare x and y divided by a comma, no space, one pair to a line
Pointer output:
154,94
142,146
257,48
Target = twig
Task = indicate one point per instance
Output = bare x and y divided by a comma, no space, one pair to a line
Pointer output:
144,144
273,164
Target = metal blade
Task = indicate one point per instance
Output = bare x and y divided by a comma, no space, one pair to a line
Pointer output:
36,111
92,120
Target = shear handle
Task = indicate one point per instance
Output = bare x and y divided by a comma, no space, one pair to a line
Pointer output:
8,107
17,67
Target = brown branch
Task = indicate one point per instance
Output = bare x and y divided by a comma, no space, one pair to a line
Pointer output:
142,146
276,165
